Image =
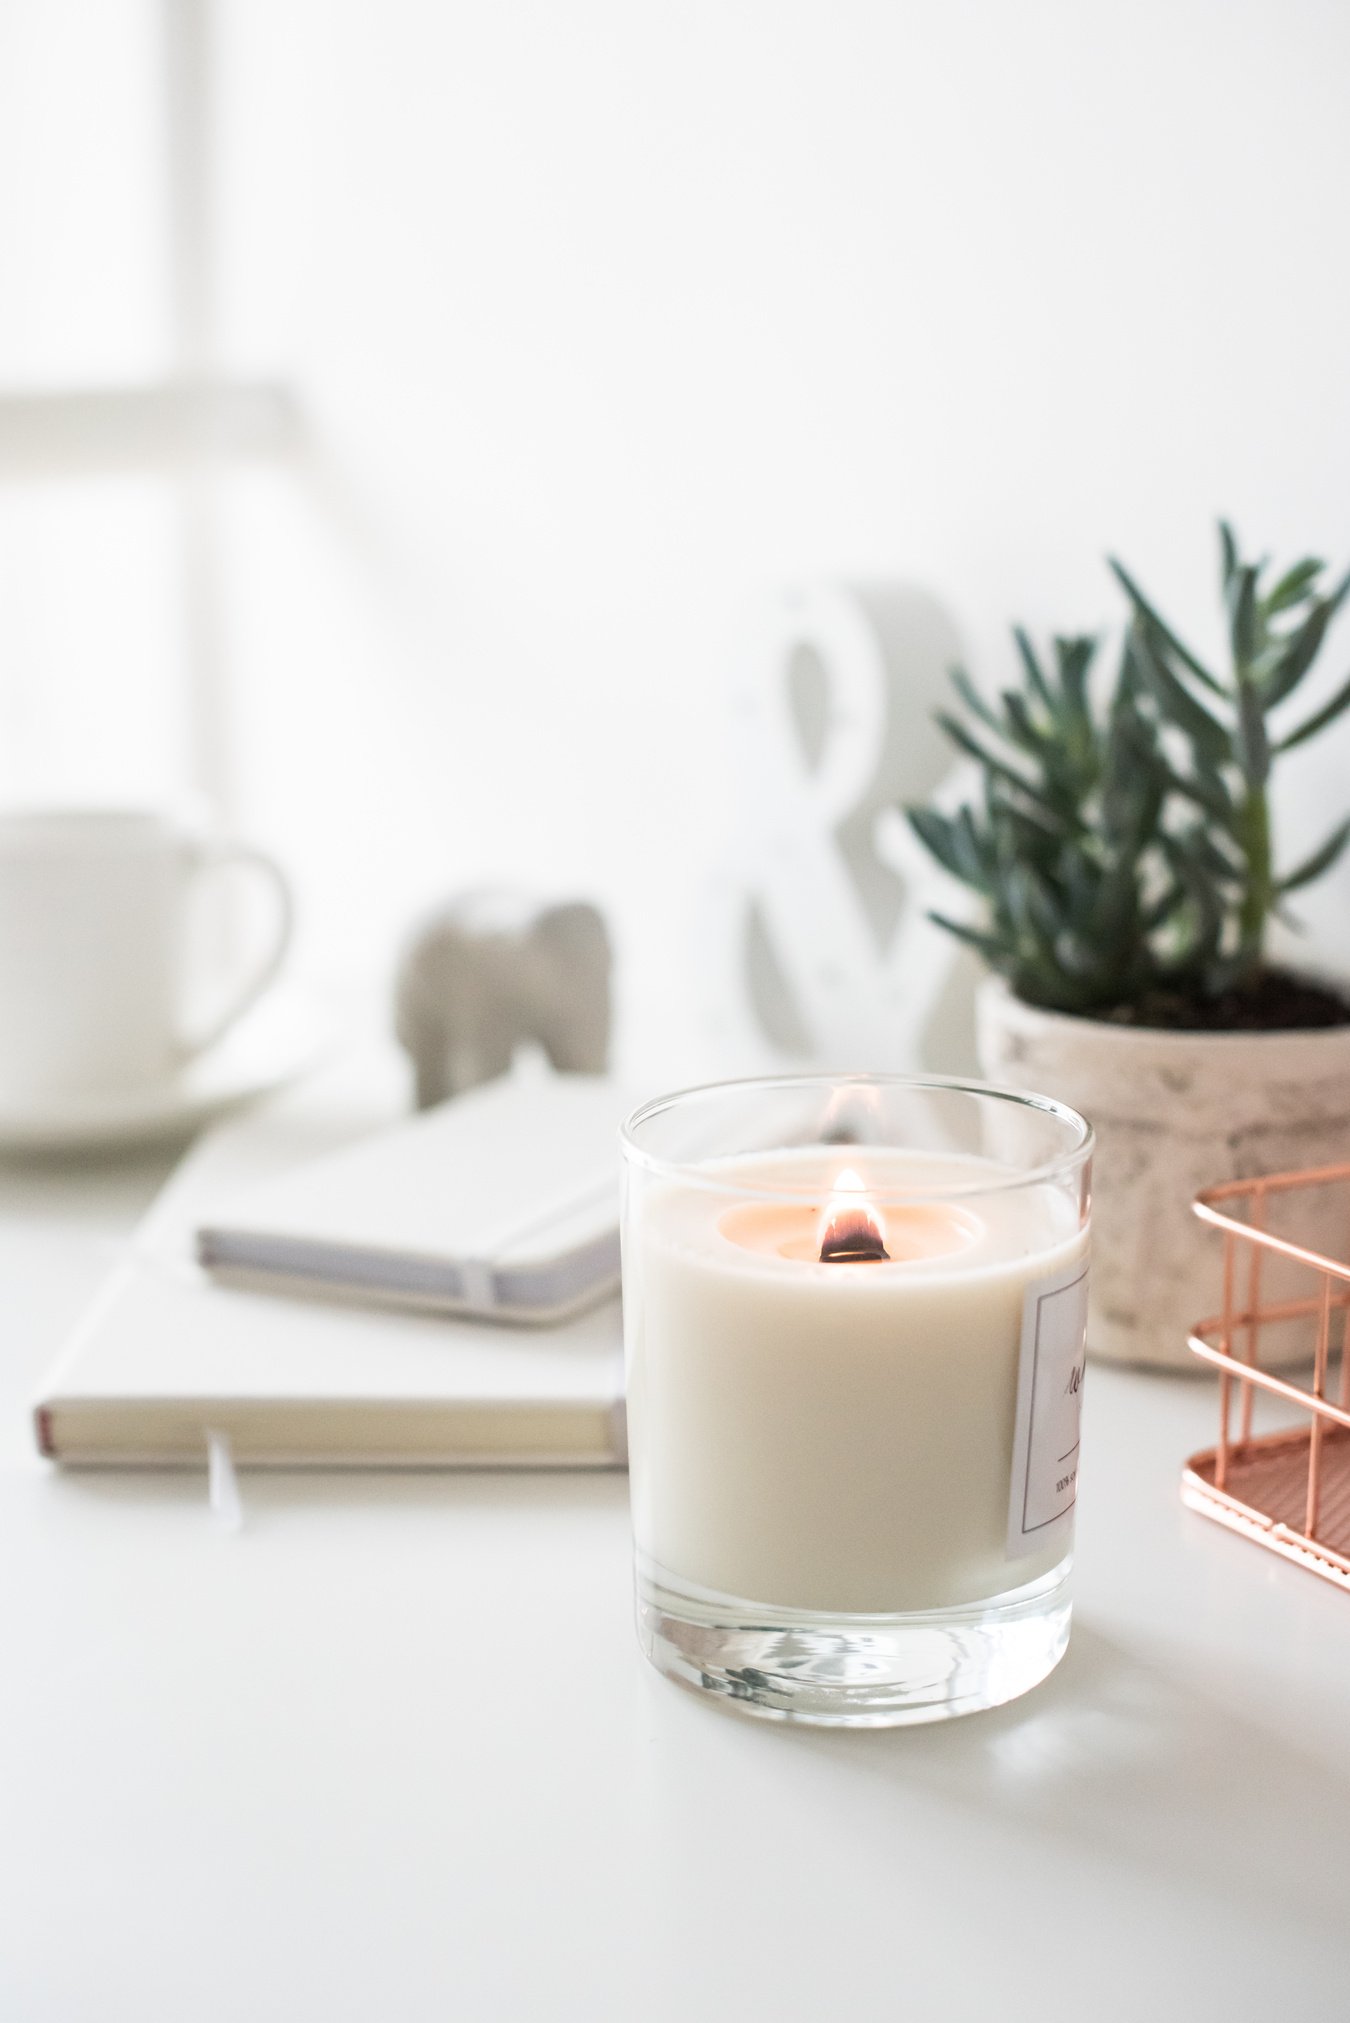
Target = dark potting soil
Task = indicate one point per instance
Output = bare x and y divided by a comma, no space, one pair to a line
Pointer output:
1277,1002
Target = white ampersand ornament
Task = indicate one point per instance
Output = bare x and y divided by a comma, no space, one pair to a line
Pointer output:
838,958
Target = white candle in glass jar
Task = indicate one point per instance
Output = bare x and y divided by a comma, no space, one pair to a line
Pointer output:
855,1434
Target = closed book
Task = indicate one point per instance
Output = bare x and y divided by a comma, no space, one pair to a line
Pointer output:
166,1357
502,1203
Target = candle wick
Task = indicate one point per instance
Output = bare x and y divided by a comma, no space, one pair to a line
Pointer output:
853,1238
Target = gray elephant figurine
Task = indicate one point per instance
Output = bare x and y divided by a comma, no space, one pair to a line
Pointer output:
491,970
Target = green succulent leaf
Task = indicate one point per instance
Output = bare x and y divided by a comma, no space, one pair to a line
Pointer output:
967,742
1146,611
1304,645
1023,729
974,848
1295,584
1216,853
974,701
1160,911
1207,792
1179,705
989,945
1205,905
934,831
1321,860
1318,721
1073,657
1035,672
1242,617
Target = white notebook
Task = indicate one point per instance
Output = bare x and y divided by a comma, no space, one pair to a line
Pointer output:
503,1203
165,1356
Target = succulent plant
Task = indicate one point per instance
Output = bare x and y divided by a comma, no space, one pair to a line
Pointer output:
1121,840
1225,725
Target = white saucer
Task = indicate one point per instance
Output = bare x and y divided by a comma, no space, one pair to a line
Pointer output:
271,1045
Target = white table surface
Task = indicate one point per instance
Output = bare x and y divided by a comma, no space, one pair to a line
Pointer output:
391,1753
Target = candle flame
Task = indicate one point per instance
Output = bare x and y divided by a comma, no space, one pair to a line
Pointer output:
850,1229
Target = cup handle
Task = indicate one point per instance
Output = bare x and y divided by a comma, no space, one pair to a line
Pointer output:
210,857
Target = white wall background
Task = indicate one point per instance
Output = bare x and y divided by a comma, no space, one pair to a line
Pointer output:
606,315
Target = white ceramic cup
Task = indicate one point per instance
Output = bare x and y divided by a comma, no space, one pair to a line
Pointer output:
95,975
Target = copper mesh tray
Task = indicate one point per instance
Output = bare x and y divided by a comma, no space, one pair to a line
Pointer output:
1288,1490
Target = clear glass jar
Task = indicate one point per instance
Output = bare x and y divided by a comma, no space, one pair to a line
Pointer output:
854,1316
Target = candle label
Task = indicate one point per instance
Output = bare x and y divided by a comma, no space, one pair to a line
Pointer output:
1049,1396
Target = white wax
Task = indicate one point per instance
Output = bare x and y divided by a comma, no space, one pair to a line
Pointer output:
833,1436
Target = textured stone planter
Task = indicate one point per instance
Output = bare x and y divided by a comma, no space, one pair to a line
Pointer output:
1175,1112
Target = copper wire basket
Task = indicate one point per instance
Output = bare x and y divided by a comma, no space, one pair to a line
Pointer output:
1287,1489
